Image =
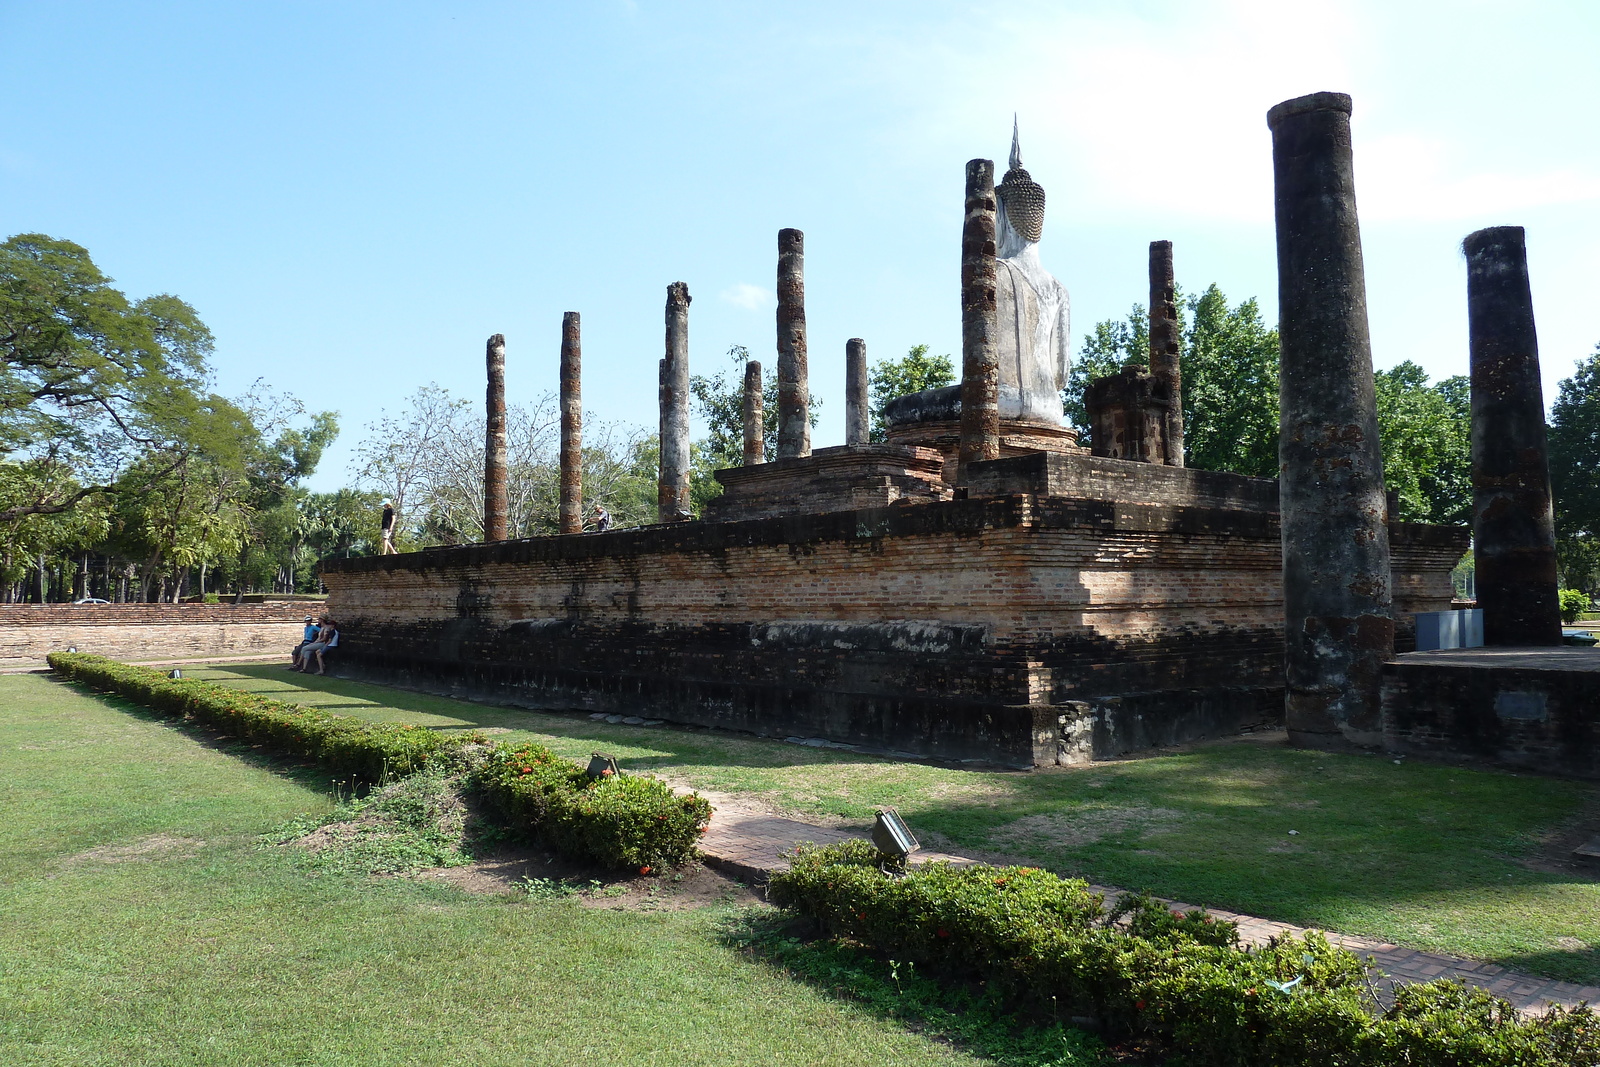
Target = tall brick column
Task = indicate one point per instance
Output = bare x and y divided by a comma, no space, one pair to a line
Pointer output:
794,394
755,431
1164,347
1513,528
672,492
494,462
571,424
980,328
856,405
1339,620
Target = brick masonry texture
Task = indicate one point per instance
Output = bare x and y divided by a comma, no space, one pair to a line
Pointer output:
1532,708
29,632
1016,629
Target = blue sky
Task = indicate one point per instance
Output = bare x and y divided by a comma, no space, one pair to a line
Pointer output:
355,195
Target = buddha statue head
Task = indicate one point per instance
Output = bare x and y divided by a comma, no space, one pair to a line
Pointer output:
1021,198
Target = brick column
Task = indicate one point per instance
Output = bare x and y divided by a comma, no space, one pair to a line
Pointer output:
856,406
980,363
794,396
755,434
1164,348
494,463
672,495
1339,620
1513,528
571,424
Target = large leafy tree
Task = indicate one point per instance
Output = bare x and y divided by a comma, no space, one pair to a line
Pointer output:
1575,473
1427,444
89,380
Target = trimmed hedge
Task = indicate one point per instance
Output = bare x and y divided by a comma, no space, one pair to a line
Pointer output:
368,750
625,822
1181,981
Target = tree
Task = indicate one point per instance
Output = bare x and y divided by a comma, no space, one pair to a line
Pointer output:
1427,444
1229,363
89,380
913,372
1575,474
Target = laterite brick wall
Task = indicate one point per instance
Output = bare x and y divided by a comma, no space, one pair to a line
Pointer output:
28,632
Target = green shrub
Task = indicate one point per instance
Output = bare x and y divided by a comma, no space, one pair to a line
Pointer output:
628,821
368,750
1574,602
1180,980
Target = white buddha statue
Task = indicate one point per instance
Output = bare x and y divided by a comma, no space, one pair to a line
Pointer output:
1035,338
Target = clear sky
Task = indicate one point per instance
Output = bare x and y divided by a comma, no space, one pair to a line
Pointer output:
355,195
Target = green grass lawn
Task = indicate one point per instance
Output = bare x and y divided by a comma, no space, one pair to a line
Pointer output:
142,922
1422,854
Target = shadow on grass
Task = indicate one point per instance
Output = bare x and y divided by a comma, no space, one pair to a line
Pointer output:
308,775
968,1018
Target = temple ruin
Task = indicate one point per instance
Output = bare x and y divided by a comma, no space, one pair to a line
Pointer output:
980,586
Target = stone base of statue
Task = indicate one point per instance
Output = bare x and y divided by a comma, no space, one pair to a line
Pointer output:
932,419
843,478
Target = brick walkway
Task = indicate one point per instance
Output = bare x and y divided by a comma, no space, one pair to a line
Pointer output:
751,845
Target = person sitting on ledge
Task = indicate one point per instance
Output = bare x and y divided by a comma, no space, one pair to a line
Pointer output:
306,638
327,637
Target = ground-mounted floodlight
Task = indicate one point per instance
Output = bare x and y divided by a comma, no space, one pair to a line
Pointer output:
72,648
174,673
603,766
892,837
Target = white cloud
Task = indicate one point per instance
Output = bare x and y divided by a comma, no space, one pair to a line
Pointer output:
747,296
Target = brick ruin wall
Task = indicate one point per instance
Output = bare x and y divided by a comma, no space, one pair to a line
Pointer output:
1536,709
29,632
1018,629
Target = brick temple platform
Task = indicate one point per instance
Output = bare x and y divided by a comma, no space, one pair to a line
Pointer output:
1072,608
1531,708
752,845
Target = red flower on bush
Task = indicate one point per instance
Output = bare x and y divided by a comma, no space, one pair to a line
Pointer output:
943,932
644,870
1138,1005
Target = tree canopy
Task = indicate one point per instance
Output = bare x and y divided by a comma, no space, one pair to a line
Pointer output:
1229,362
1575,473
911,373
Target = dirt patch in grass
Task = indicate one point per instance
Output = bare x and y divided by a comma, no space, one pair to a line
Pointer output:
156,846
1085,825
535,873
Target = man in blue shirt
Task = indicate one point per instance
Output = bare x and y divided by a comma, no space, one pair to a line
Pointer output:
306,638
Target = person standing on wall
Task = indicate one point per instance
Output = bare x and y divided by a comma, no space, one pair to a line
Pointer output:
388,548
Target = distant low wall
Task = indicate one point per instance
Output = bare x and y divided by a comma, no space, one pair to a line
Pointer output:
29,632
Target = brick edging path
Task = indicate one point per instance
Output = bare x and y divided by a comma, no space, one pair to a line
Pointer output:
751,844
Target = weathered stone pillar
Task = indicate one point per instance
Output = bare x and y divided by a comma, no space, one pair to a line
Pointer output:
980,363
1164,347
494,462
794,395
1336,594
1513,528
672,493
856,405
755,433
571,424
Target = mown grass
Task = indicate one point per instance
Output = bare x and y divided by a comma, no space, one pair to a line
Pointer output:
1422,854
144,922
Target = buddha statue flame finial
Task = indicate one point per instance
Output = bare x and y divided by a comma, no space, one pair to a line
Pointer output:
1021,197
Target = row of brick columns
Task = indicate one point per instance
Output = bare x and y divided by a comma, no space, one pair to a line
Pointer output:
1337,596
